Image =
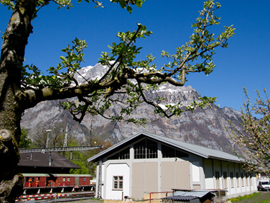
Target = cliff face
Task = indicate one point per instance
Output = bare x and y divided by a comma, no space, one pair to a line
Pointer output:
206,127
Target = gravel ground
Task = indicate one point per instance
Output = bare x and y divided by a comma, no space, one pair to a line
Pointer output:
83,200
87,201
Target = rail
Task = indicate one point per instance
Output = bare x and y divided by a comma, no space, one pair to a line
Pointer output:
60,149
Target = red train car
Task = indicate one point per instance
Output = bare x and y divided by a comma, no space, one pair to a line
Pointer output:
75,180
35,179
43,180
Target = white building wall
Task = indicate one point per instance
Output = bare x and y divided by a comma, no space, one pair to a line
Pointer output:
103,180
97,178
235,186
196,171
117,170
208,171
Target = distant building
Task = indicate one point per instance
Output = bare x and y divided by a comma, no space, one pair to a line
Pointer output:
49,162
147,163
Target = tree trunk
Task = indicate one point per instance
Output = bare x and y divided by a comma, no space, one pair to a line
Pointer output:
12,56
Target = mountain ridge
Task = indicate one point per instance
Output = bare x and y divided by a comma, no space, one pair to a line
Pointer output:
205,127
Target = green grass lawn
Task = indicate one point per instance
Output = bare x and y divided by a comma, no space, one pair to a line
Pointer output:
258,197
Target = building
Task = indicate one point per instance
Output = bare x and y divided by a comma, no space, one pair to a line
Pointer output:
49,162
147,163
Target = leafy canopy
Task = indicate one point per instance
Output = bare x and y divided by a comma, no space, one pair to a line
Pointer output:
25,142
126,81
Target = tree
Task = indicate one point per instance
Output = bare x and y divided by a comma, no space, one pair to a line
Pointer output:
255,140
25,142
126,80
80,158
54,135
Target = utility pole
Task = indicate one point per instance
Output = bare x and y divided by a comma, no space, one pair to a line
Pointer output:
66,134
65,139
47,140
50,159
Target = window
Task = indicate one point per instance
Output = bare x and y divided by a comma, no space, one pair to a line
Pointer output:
117,182
231,177
68,178
217,179
250,178
168,152
242,179
145,149
247,179
151,149
225,184
237,179
84,179
180,154
124,154
64,179
139,150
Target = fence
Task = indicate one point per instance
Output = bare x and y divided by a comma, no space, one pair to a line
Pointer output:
152,197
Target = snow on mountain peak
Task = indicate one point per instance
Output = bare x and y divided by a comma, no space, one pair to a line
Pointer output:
97,71
172,89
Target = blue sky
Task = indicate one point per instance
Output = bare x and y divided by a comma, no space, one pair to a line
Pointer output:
244,64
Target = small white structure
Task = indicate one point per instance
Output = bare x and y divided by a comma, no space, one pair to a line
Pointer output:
147,163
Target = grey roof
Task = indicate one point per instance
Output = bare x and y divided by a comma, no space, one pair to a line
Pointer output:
191,148
42,160
184,195
181,198
195,193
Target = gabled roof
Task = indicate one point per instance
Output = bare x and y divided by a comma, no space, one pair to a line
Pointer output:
191,148
38,159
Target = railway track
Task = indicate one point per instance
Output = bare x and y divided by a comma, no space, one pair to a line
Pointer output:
55,196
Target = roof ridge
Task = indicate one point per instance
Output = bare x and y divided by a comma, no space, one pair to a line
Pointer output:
189,147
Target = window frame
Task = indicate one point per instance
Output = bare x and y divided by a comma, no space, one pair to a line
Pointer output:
170,152
123,154
146,149
119,180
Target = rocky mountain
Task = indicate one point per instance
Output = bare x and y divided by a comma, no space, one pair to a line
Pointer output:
206,127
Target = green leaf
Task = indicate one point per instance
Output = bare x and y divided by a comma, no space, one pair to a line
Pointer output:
62,58
129,9
139,3
122,4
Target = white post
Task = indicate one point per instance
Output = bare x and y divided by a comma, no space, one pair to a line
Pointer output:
65,140
47,140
